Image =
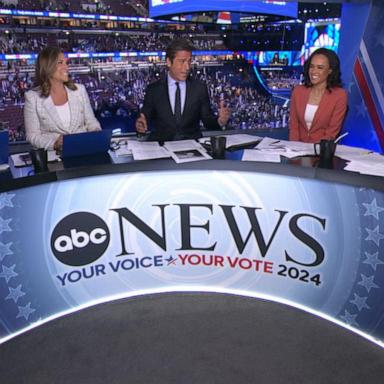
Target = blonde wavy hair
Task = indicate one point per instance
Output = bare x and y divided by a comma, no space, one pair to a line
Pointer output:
45,68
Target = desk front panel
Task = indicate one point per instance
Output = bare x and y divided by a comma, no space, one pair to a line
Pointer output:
313,244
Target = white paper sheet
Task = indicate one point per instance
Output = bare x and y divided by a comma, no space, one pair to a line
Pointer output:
180,145
147,150
351,153
266,142
256,155
234,140
366,163
286,148
184,151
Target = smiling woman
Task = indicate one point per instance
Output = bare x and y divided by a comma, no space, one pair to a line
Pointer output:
319,106
56,106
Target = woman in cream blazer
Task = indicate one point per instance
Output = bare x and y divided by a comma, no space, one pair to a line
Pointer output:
56,106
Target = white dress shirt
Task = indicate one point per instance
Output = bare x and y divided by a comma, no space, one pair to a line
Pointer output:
172,92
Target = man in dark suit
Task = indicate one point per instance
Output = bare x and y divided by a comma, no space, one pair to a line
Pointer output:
174,106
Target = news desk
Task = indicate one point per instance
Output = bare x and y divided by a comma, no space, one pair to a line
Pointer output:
291,233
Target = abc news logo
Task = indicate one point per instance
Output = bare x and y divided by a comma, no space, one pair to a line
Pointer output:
80,239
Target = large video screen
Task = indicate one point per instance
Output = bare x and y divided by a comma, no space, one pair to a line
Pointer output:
280,58
170,7
321,34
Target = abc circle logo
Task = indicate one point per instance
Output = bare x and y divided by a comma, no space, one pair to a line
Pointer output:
80,239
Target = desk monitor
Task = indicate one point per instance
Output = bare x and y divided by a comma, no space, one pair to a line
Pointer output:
3,147
86,143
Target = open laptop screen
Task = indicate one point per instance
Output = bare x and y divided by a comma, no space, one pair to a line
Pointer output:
3,147
86,143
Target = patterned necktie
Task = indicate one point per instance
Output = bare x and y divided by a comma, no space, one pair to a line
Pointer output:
177,103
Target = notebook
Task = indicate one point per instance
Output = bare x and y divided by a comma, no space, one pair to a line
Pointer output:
86,143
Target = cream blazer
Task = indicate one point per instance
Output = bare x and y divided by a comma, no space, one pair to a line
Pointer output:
43,125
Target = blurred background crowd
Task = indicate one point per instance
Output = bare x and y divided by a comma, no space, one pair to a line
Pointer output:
116,60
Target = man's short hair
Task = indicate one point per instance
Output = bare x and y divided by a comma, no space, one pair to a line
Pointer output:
177,45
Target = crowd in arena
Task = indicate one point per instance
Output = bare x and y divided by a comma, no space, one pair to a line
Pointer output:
280,80
144,42
109,7
118,95
13,43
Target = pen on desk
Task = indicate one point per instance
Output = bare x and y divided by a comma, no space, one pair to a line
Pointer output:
340,137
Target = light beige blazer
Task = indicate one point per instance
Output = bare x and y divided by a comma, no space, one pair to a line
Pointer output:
43,125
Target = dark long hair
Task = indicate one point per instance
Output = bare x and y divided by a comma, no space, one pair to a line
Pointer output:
45,67
334,78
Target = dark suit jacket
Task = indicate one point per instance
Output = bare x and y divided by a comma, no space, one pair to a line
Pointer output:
328,118
158,112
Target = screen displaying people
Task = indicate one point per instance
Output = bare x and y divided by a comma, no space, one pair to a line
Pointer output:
174,106
318,107
279,60
56,106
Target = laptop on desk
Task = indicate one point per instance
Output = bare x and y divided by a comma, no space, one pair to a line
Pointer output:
3,147
86,143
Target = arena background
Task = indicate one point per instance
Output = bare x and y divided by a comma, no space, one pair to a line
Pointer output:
115,49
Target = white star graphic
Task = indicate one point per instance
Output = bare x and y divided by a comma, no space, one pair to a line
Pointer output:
360,302
379,40
349,318
350,85
4,225
6,200
374,235
5,249
367,282
8,273
25,311
373,209
361,109
373,260
15,293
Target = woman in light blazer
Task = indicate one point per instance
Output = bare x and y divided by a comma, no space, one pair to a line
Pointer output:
318,107
56,106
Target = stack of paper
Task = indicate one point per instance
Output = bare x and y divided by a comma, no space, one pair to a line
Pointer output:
369,164
256,155
351,153
286,148
235,140
186,150
146,150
